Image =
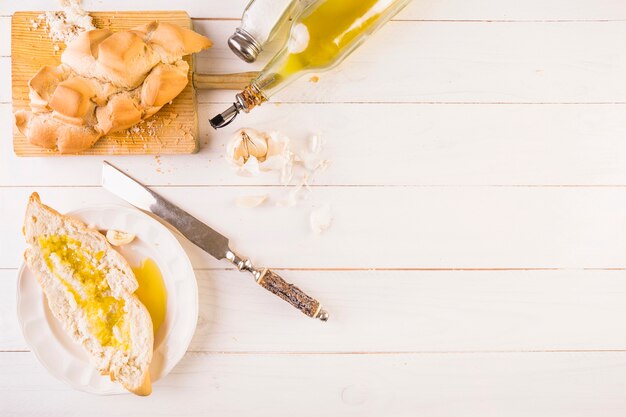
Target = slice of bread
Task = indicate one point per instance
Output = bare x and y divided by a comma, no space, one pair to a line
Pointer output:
89,287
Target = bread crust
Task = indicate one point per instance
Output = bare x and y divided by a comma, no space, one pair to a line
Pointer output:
128,366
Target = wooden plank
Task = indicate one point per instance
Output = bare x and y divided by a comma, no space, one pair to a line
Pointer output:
5,80
484,145
32,49
438,385
386,227
452,62
465,62
5,34
411,311
10,332
420,10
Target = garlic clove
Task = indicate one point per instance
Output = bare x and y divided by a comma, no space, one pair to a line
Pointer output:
119,238
320,219
286,173
245,144
250,201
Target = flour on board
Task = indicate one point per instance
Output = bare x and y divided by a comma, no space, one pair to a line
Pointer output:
64,25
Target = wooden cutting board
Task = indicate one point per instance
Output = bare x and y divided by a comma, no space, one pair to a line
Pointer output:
173,130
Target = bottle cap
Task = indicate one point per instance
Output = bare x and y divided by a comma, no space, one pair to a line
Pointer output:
244,45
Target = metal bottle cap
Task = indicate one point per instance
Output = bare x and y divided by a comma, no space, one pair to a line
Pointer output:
244,45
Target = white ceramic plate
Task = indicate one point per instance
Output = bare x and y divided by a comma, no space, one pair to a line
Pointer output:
67,360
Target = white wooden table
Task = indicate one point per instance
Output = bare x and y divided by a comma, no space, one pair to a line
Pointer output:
476,263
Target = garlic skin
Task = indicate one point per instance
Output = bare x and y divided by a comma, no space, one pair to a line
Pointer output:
292,197
279,157
316,143
245,144
277,143
320,219
119,238
274,163
289,202
252,152
250,168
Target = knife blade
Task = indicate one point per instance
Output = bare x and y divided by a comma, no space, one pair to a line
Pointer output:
141,197
205,237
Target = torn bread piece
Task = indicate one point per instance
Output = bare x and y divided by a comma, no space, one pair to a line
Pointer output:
89,288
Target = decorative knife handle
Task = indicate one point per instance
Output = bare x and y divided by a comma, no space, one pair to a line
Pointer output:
272,282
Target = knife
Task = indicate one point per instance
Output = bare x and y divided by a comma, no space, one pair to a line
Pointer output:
206,238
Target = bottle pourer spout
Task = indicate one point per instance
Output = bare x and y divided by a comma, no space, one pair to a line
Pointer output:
244,101
226,117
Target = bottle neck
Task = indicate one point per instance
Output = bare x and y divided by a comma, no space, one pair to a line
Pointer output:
276,75
250,97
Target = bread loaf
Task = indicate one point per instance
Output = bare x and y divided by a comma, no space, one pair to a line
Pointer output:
89,288
108,81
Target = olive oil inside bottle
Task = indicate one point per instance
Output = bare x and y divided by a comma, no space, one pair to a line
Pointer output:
323,35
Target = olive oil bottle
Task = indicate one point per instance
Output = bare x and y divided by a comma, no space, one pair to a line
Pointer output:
321,37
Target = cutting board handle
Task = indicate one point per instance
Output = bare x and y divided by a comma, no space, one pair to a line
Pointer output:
235,81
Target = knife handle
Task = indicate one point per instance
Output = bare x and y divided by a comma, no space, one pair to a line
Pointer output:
272,282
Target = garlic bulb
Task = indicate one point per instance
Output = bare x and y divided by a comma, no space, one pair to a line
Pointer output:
246,143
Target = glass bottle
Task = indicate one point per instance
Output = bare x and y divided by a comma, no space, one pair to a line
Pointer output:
260,23
321,37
